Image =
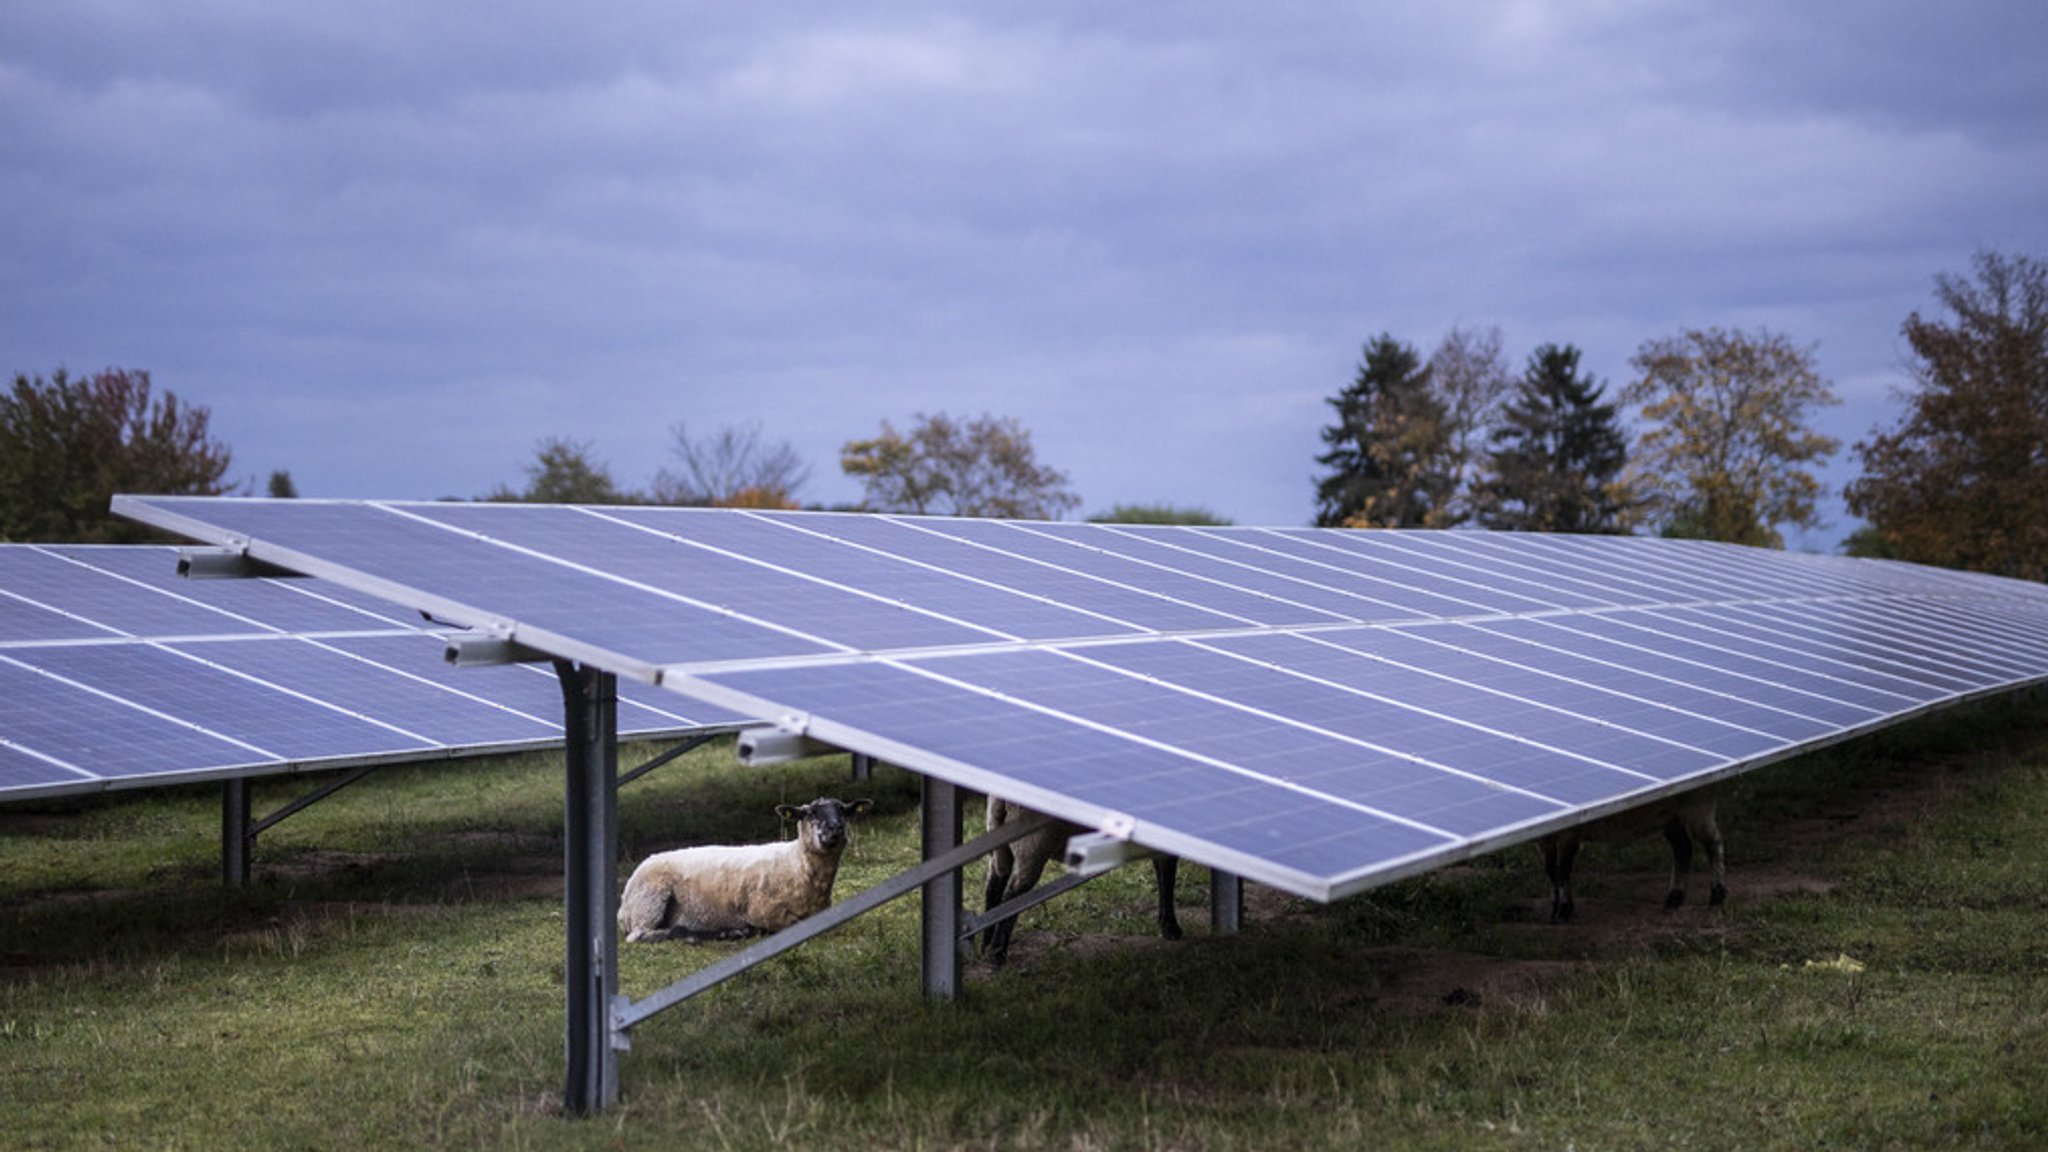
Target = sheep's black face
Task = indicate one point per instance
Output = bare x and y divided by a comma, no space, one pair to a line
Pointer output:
822,823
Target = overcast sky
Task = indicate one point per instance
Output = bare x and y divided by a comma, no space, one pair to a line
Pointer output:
393,245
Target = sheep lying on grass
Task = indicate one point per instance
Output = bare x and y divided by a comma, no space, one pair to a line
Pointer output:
721,891
1683,820
1014,869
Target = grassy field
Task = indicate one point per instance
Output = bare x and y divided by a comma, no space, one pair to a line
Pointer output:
1878,979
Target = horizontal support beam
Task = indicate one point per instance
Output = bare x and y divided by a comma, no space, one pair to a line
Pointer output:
1026,902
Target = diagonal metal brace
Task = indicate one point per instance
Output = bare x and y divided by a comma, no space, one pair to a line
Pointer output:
627,1012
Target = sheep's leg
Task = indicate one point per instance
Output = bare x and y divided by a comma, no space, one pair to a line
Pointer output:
1709,833
999,867
1681,860
1028,867
1558,853
1165,871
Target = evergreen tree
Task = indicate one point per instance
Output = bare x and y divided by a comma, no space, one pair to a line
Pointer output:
1389,451
1554,459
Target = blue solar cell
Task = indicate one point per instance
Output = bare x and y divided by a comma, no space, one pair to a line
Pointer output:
24,774
284,605
373,693
110,739
648,556
115,604
1111,608
1377,592
459,569
1448,651
1289,753
1762,657
1726,678
1428,558
1092,553
273,724
21,621
1887,642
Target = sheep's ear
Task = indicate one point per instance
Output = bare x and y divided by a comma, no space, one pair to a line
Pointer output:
858,807
789,812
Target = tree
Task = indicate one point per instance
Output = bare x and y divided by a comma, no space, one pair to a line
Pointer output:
732,468
281,486
980,467
1556,455
66,446
1962,480
563,472
1389,455
1158,514
1470,377
1723,457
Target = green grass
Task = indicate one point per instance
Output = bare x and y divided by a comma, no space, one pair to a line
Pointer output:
393,979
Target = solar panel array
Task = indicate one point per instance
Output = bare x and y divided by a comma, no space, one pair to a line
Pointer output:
114,672
1315,709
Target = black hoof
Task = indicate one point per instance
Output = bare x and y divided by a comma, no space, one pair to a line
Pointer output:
1719,894
1674,899
1561,913
1169,931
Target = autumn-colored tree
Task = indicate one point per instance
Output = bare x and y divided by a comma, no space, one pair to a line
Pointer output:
1962,480
1556,454
1469,374
731,468
1159,514
1725,449
1389,462
67,445
979,467
564,472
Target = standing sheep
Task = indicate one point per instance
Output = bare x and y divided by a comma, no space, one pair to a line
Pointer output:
722,891
1014,869
1683,820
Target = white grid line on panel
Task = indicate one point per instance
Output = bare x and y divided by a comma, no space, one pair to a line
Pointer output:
52,761
821,581
154,590
1377,561
1656,614
1421,711
145,709
1425,634
612,578
1128,558
914,525
786,523
1646,674
1409,547
1211,761
1507,695
1897,649
1563,623
1314,729
1347,593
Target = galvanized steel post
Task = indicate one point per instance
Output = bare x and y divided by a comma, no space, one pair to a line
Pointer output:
590,709
940,829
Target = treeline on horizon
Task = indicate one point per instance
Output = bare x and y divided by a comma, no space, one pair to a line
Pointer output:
1722,447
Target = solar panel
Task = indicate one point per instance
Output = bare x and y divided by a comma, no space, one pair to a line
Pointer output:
116,673
1318,710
